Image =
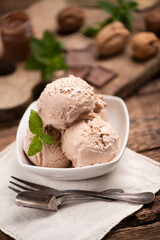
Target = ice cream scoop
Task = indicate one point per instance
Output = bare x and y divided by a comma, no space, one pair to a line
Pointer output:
64,100
100,107
90,142
50,156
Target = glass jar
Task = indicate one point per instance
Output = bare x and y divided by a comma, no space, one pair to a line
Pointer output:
16,32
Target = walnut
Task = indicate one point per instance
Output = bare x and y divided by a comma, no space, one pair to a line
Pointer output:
70,19
112,39
153,21
144,45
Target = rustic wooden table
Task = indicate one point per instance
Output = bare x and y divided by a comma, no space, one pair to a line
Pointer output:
144,110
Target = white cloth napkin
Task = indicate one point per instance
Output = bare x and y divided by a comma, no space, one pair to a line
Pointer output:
83,221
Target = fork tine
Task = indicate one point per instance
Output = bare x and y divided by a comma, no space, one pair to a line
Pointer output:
20,186
33,185
14,189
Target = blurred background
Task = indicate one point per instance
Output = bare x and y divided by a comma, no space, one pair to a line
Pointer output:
10,5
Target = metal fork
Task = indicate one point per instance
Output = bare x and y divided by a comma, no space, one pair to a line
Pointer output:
141,198
56,192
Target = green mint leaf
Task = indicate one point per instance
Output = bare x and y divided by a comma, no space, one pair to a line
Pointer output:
37,47
52,45
121,2
47,73
35,146
90,31
58,62
106,22
127,24
47,55
39,131
33,64
48,38
44,61
47,139
35,122
131,5
121,12
107,6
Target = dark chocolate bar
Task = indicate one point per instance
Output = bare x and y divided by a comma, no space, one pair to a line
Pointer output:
79,58
99,76
78,72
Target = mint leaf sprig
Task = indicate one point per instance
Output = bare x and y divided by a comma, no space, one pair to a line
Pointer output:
36,127
120,12
47,55
91,31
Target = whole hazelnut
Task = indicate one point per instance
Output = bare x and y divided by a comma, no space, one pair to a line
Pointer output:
112,39
152,21
144,45
70,19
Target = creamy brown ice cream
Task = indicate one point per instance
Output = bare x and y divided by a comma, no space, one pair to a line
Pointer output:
77,120
64,100
100,107
50,156
90,142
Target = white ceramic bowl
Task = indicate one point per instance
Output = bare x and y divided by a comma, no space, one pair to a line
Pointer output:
117,116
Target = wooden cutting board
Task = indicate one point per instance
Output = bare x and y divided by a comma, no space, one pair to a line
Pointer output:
16,90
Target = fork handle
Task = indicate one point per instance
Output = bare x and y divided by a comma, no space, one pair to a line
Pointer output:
73,191
140,198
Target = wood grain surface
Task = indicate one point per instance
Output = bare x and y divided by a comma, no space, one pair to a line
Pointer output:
144,137
148,232
151,87
16,88
144,114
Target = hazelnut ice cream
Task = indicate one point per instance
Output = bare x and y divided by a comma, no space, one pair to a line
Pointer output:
100,107
64,100
90,142
76,118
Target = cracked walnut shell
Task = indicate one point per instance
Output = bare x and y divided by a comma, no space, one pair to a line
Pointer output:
70,19
112,39
144,45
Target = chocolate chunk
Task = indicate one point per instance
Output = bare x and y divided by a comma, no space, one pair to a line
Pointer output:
78,72
77,41
99,76
79,58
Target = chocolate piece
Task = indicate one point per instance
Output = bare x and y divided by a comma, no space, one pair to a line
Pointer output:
77,41
78,72
79,58
99,76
